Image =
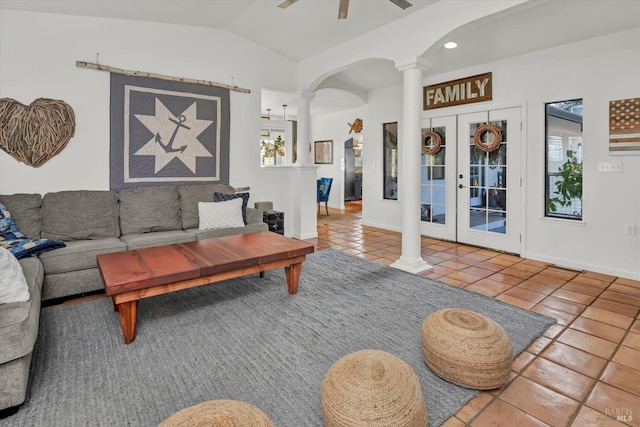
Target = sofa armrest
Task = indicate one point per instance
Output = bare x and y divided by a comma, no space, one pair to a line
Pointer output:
254,216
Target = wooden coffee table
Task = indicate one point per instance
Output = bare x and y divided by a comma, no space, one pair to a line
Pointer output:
132,275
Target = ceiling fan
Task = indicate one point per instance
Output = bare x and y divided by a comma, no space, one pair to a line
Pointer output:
344,6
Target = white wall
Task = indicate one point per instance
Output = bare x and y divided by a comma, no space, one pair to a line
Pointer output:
597,70
37,59
334,127
384,106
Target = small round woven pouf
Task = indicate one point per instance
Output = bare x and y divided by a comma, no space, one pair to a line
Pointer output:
372,388
466,348
219,413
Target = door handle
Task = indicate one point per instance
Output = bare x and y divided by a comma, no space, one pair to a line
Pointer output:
460,186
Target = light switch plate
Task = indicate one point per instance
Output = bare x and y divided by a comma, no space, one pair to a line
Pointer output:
610,167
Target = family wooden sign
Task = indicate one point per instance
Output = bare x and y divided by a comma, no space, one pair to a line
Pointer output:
457,92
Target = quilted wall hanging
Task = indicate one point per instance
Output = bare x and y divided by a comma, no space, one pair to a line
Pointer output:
35,133
167,132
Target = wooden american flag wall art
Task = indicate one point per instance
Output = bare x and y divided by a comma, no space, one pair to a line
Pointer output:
624,127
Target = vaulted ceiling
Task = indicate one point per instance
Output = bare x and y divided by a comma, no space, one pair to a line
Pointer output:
304,29
310,27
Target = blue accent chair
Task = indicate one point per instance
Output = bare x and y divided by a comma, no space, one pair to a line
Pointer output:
324,188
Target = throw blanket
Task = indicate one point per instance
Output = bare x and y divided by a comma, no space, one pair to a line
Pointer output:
17,243
22,248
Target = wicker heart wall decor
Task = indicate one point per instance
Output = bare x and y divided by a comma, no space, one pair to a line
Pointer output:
35,133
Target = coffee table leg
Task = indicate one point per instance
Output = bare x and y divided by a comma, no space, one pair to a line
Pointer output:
128,314
293,275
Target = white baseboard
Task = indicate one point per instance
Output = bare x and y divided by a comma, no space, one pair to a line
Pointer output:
303,236
577,265
382,226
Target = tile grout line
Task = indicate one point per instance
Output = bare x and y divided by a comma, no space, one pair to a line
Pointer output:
598,378
436,249
519,373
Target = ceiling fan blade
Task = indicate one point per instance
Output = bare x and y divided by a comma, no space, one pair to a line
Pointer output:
285,4
402,3
344,8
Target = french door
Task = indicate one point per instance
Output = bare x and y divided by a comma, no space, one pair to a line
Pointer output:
471,178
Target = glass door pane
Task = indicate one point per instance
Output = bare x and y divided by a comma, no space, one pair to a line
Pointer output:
438,159
487,176
433,176
488,179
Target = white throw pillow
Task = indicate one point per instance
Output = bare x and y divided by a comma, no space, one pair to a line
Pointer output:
13,285
215,215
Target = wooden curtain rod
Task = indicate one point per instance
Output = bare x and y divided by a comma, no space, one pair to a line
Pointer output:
83,64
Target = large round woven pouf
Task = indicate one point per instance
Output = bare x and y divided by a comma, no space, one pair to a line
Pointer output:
466,348
219,413
372,388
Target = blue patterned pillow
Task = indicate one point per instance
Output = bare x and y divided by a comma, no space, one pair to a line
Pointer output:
17,243
222,197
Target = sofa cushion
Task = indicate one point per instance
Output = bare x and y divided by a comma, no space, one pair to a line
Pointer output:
25,211
191,194
13,285
80,254
254,216
149,209
63,285
80,215
146,240
222,197
19,320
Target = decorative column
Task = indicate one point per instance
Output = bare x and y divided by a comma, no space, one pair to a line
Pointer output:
305,220
304,127
409,167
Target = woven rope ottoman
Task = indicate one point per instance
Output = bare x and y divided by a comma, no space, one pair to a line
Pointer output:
219,413
466,348
372,388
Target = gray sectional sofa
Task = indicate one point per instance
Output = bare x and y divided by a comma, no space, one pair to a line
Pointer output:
91,223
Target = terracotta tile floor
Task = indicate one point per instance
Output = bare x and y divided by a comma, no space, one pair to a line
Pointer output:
584,371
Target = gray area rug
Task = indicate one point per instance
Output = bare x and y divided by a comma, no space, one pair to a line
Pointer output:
246,339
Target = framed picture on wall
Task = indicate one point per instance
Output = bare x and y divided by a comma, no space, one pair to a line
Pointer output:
323,152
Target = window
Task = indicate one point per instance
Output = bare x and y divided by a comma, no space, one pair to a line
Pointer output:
563,122
390,166
275,142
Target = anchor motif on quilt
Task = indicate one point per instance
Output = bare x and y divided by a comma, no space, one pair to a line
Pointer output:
168,148
174,136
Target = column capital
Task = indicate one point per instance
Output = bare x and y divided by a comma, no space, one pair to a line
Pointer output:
306,94
412,62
